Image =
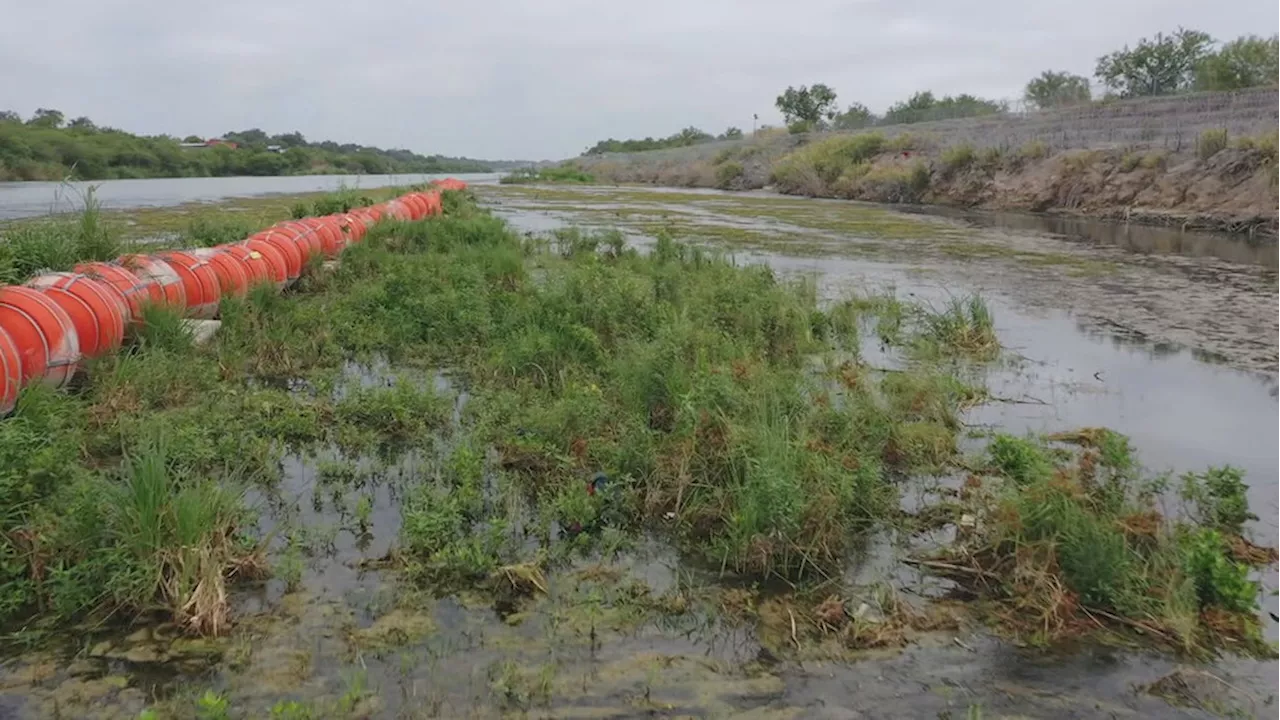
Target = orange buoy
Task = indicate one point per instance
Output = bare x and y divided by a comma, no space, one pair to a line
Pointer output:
255,265
233,274
365,219
278,266
97,313
320,236
398,210
10,372
450,184
332,239
353,228
128,288
48,347
410,204
199,283
434,202
160,273
287,246
303,236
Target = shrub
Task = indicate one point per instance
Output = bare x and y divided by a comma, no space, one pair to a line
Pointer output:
1130,161
1219,580
727,173
1033,150
1219,497
956,158
1211,142
904,141
990,158
891,184
1153,161
815,168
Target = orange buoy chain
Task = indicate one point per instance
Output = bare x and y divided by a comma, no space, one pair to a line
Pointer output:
53,321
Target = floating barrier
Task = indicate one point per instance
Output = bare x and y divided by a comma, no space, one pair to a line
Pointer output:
47,325
96,311
199,283
232,274
10,372
46,339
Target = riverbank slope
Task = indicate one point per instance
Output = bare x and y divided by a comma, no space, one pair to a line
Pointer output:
1202,161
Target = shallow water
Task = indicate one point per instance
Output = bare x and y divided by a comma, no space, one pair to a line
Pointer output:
31,199
1182,408
350,633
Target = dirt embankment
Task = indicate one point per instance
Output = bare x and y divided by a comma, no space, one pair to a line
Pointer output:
1234,189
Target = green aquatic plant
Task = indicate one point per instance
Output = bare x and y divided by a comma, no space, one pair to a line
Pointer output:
965,326
1062,534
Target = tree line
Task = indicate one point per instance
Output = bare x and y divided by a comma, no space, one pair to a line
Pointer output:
47,146
1181,61
684,138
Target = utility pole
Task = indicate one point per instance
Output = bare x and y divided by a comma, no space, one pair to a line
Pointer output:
755,118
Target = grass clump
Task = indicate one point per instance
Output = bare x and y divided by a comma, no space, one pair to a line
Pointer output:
57,243
957,157
964,327
209,229
1211,142
1073,538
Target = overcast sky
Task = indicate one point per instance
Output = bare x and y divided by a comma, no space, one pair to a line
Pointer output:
541,79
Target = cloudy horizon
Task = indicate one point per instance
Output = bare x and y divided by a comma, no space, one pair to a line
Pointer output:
509,80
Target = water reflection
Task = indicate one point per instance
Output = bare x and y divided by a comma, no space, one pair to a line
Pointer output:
1143,239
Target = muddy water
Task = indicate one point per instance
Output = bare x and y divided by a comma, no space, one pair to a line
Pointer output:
340,636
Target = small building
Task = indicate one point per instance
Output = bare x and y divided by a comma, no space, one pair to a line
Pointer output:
211,142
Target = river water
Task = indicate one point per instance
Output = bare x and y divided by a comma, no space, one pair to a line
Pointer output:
31,199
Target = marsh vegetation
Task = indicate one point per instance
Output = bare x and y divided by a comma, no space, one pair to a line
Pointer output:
573,399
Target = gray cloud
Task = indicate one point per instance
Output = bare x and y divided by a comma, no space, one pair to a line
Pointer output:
508,79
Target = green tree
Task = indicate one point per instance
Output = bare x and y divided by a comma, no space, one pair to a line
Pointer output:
47,118
689,136
193,139
1056,89
808,105
1162,65
855,117
82,123
1247,61
732,133
9,116
925,107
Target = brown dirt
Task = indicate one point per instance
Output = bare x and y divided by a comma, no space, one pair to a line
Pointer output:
1234,190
